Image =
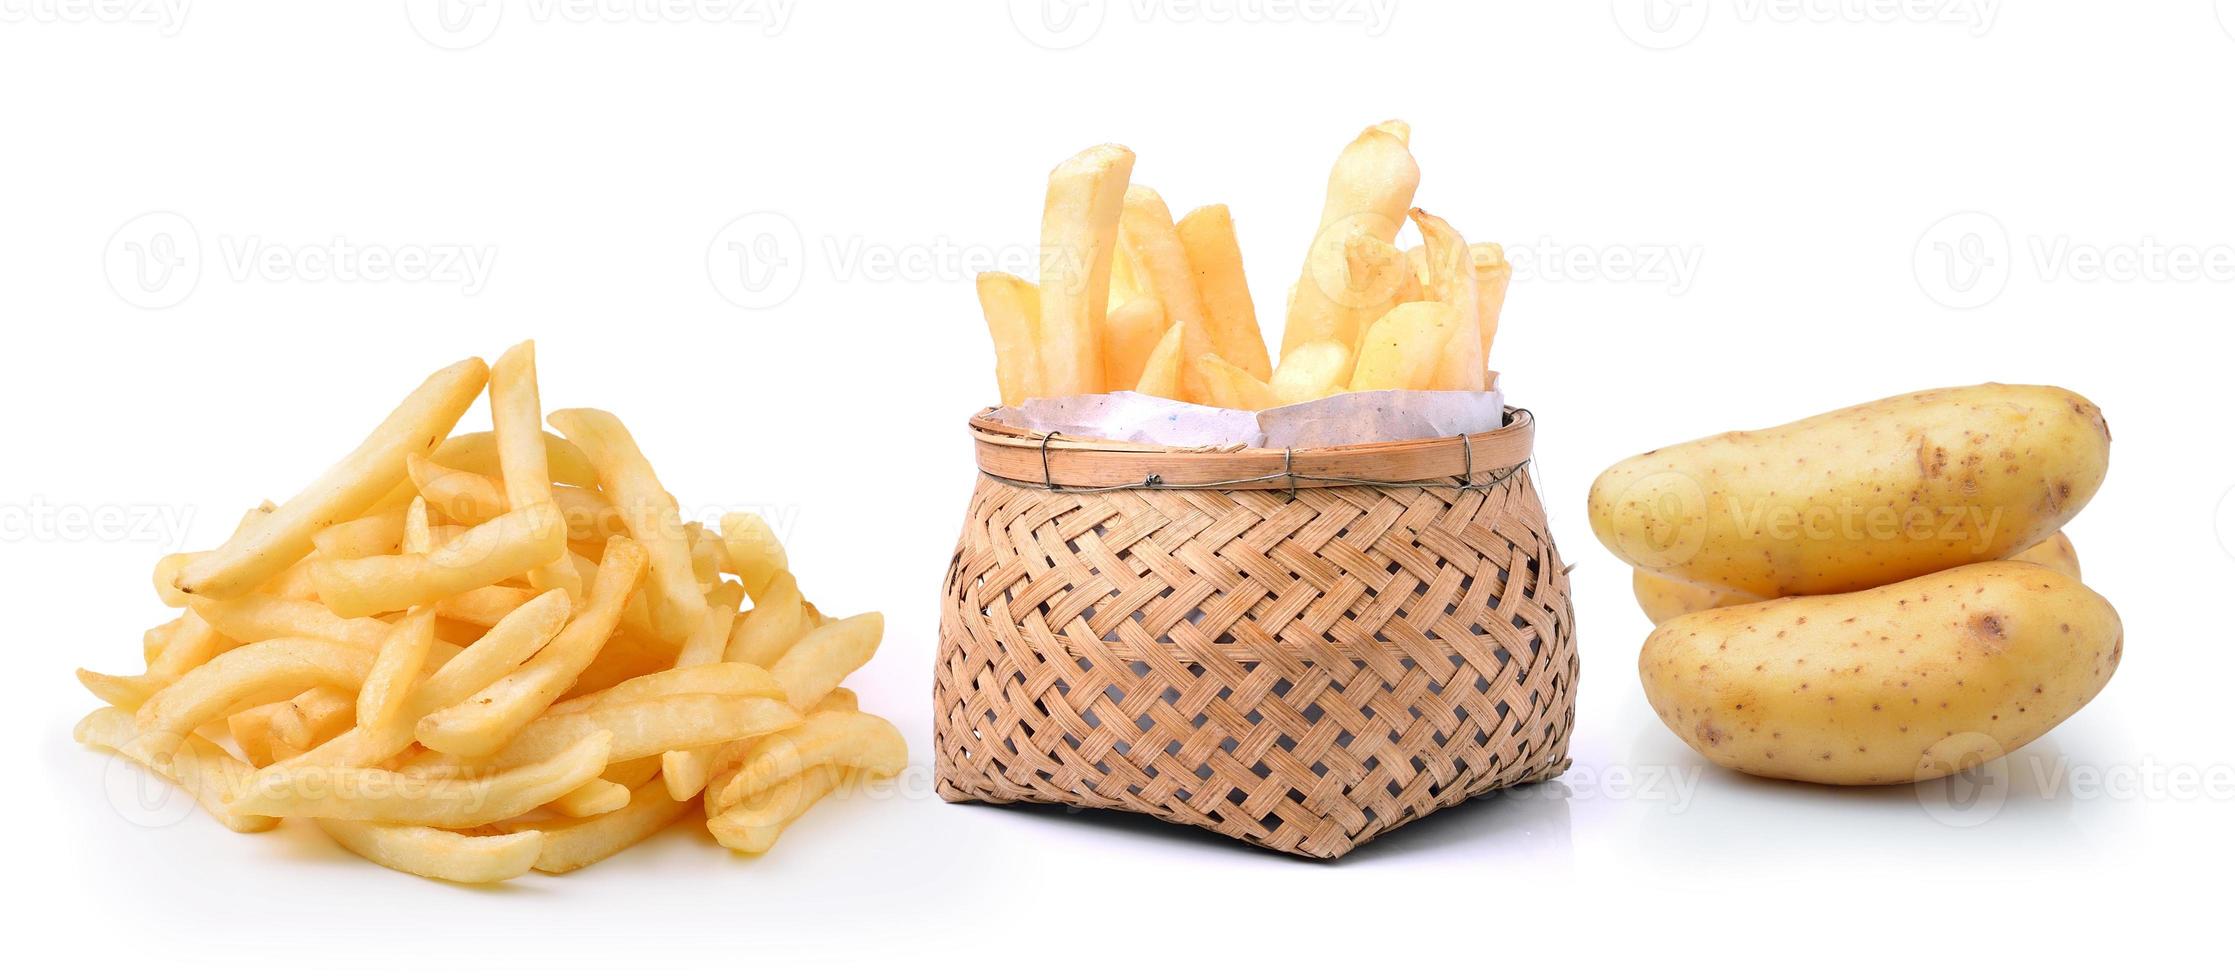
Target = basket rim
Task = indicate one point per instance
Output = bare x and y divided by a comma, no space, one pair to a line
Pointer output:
1059,462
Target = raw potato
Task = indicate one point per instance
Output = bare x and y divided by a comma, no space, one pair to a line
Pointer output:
1664,599
1861,497
1912,681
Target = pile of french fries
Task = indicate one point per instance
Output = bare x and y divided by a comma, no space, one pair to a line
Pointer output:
1129,299
466,657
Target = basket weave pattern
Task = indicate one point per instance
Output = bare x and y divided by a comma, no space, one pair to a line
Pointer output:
1301,670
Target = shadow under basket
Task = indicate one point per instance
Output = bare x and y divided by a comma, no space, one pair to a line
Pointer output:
1303,650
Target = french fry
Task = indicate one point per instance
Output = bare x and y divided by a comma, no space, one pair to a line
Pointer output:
1492,275
388,796
439,854
752,827
1214,257
1165,374
591,520
843,738
516,408
1078,233
312,717
1012,311
251,730
268,546
272,670
486,555
461,496
624,658
124,691
1447,277
1151,244
822,659
1403,347
776,621
648,727
592,798
483,606
152,641
482,723
196,764
756,554
1312,371
1225,386
572,844
372,534
193,644
648,512
396,670
1129,335
256,617
1368,191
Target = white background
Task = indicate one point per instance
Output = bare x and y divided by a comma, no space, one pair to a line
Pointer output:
1738,214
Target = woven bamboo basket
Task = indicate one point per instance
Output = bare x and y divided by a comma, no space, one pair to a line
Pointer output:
1303,650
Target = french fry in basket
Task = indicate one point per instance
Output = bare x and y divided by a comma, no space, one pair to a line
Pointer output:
1130,335
648,512
1078,234
1012,311
195,763
1447,277
1214,257
488,554
1368,191
440,854
268,546
1165,375
1403,347
1227,386
1492,275
1151,245
1315,370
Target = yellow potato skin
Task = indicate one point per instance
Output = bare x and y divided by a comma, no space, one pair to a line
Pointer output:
1861,497
1906,682
1664,599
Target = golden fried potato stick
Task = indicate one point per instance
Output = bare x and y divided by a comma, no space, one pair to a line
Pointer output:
1403,347
482,723
516,407
485,555
153,639
483,606
1012,311
753,826
1492,275
196,764
311,718
641,728
251,730
439,854
268,546
505,646
1312,371
272,670
1447,277
476,452
461,496
257,617
1225,386
396,670
777,620
648,511
372,534
388,796
1151,245
1214,257
191,644
591,519
1368,192
1130,334
755,553
843,738
1165,374
716,678
1078,233
592,798
572,844
821,660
